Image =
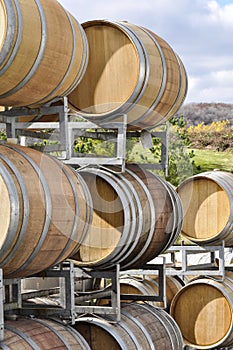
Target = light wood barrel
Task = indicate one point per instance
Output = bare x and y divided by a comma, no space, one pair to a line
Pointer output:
207,201
41,334
44,52
44,211
147,285
131,70
136,216
203,311
141,327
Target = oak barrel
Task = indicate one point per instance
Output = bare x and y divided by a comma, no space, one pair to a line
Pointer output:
141,327
147,285
44,211
44,52
131,70
203,311
136,216
43,334
207,201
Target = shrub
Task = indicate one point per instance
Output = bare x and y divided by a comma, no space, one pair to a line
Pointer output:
217,135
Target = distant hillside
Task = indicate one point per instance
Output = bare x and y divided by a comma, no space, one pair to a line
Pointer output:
195,113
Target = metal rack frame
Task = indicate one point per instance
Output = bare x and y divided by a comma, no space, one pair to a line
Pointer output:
73,305
67,131
210,269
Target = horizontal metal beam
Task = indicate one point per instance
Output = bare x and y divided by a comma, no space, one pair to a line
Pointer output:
83,161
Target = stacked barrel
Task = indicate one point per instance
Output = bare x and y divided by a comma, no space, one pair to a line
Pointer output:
203,308
97,216
44,52
105,68
44,211
131,70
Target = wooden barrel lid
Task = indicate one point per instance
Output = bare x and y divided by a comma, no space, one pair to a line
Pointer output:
206,208
203,314
113,69
107,223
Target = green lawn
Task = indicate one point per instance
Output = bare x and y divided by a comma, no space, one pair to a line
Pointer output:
209,160
206,159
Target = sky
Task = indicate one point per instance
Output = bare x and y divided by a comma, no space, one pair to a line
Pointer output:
199,31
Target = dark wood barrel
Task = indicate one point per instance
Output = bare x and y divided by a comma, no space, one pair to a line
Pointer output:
207,201
136,216
131,70
44,52
44,211
203,311
41,334
142,326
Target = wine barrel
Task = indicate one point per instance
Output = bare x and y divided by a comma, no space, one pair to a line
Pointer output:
136,216
203,311
131,70
41,334
141,327
44,52
146,285
207,201
44,211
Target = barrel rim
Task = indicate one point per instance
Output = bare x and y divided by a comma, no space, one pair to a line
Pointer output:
212,176
48,210
142,72
51,96
208,281
106,326
10,34
127,231
39,57
14,209
12,230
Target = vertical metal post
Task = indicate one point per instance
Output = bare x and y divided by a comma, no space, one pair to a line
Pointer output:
10,127
184,259
222,260
1,308
121,142
116,293
70,298
67,297
164,150
64,133
162,284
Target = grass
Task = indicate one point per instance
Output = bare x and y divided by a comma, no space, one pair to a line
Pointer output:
141,155
206,159
210,159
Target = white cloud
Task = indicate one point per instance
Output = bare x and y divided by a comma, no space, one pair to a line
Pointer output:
221,15
200,31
